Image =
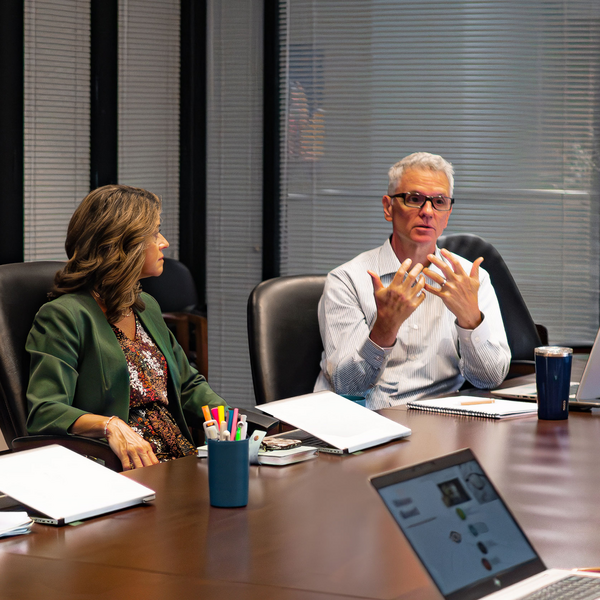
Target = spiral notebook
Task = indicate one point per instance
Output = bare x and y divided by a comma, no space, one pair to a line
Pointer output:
474,406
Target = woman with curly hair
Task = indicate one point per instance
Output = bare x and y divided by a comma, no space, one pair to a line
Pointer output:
103,362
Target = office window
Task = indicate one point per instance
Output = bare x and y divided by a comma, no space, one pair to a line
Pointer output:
149,104
508,91
234,189
56,121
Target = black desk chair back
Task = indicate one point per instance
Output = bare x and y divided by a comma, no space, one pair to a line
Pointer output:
24,288
175,291
283,335
522,333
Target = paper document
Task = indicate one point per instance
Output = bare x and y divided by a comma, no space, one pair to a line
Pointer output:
14,523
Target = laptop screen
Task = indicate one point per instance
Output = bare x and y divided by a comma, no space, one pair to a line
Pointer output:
458,525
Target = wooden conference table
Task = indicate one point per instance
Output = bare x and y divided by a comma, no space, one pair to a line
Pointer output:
313,530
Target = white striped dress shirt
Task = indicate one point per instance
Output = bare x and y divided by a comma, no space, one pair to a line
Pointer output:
432,354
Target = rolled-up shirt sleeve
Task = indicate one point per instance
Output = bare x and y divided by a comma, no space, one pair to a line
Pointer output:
352,361
484,351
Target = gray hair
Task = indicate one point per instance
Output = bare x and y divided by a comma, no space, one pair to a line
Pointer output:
420,160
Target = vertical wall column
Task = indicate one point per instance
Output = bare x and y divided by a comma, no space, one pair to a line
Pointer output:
192,136
271,143
11,130
104,93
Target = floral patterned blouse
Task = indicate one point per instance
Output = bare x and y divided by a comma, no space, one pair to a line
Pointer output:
148,402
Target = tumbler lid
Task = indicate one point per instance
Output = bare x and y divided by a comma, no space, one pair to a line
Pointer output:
553,351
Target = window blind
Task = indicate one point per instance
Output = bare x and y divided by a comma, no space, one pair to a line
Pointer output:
56,121
234,188
507,91
149,104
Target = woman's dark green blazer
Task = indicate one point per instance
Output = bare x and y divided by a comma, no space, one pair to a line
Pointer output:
78,367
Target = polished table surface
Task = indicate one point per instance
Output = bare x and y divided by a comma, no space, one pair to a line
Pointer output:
316,529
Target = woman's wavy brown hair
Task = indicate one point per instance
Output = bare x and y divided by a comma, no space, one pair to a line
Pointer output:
106,246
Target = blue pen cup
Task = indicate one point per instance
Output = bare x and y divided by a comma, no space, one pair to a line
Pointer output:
553,379
361,400
228,473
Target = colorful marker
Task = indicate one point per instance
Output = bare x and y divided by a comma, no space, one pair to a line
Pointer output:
234,421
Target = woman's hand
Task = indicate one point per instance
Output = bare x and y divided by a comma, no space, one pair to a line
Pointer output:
131,448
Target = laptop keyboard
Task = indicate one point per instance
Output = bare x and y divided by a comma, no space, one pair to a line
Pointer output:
311,440
575,587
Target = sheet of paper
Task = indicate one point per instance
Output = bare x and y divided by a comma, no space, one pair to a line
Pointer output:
12,523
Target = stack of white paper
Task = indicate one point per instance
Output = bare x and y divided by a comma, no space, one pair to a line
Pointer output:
14,523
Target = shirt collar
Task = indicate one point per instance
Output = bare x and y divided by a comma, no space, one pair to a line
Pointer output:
389,263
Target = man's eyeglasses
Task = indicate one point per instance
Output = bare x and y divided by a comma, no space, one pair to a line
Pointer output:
418,200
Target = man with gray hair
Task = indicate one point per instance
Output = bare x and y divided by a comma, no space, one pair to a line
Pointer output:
408,320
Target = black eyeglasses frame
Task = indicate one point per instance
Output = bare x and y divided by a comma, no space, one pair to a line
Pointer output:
403,195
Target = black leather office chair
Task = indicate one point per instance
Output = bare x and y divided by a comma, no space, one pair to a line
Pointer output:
522,333
283,335
23,289
175,291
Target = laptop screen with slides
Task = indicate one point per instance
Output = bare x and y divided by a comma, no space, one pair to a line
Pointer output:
458,525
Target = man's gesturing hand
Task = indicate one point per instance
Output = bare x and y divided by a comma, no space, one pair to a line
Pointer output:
396,302
458,290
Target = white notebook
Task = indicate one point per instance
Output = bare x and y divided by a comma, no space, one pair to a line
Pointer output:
475,407
61,486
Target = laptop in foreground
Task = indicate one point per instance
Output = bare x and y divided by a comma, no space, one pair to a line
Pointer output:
466,537
583,394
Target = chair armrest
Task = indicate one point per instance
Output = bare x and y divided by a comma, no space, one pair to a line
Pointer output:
182,332
89,447
520,367
201,326
259,420
543,333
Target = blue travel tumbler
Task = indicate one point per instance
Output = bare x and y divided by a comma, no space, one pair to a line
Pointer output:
553,379
360,400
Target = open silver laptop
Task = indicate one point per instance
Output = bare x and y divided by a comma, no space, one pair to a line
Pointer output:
342,425
465,536
58,486
583,394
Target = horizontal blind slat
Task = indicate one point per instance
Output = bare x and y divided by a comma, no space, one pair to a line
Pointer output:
56,121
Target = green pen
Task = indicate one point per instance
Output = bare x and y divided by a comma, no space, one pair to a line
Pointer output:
238,433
